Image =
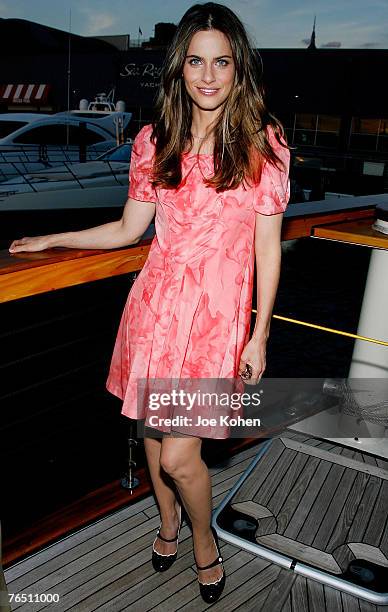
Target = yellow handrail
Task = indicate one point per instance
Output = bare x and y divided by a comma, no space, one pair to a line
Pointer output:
329,329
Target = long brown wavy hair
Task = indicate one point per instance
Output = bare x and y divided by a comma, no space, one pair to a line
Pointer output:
241,143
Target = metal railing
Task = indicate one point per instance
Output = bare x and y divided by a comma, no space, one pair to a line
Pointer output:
23,159
67,174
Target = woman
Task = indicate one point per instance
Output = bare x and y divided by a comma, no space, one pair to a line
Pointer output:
213,165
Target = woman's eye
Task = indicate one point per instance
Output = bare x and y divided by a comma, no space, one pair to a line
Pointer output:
195,61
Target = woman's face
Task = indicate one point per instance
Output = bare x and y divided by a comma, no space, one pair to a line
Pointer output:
209,69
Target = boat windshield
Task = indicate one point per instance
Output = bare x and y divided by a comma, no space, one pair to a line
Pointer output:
119,154
7,127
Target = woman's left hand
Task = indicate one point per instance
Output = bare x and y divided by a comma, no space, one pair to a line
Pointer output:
254,353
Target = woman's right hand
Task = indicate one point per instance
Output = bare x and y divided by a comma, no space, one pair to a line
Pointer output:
30,243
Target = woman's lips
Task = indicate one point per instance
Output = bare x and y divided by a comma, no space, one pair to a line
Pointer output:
207,91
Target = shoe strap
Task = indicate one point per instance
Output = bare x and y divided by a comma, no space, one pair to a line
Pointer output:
165,539
212,564
179,528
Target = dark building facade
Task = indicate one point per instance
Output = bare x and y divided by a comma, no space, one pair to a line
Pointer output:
331,101
327,81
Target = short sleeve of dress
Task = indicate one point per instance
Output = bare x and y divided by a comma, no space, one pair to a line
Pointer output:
143,149
272,194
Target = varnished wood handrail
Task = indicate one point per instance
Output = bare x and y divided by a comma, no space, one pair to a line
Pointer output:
25,274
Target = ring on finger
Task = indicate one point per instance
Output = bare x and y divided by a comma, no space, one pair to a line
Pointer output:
247,372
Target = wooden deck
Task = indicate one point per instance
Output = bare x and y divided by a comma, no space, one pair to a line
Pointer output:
106,566
319,506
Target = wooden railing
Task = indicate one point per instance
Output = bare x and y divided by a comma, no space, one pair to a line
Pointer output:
25,274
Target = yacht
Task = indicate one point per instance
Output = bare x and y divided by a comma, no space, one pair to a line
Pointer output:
31,142
76,185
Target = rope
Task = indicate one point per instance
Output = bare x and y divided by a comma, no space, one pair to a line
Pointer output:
329,329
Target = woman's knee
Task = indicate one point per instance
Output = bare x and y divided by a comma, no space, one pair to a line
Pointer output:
170,463
179,459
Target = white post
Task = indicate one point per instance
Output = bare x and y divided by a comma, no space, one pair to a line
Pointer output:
370,360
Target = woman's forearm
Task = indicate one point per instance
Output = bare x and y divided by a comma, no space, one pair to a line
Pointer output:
106,236
268,265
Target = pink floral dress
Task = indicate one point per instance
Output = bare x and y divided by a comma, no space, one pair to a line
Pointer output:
188,312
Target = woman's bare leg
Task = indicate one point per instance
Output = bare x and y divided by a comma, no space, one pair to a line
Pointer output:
181,458
164,488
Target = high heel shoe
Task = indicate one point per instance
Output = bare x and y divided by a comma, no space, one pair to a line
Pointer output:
211,591
161,562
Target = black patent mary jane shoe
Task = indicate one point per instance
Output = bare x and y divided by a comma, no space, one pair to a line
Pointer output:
161,562
211,591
